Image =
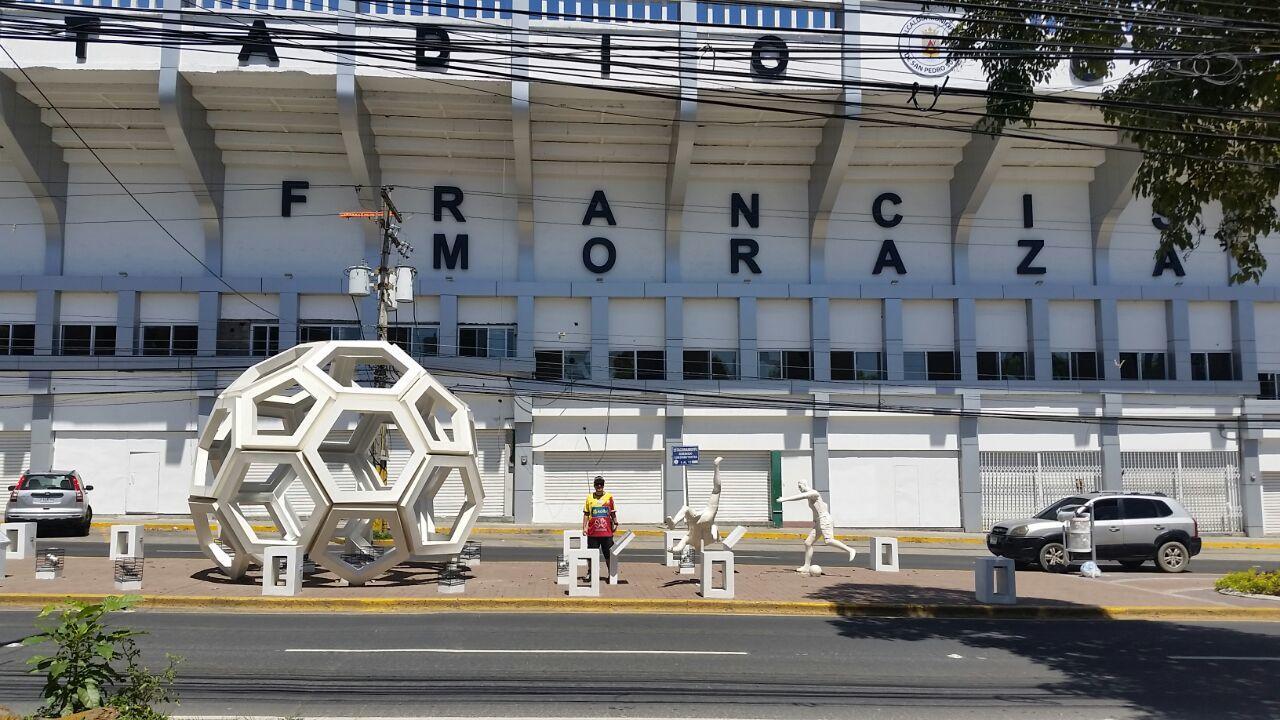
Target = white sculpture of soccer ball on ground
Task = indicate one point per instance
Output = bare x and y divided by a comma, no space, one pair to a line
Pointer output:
292,437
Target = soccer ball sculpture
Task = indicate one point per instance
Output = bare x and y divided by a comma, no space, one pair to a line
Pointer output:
290,444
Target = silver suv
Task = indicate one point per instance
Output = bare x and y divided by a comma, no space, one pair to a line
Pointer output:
54,496
1130,528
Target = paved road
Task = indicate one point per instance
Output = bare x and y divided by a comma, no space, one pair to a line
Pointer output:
913,558
661,666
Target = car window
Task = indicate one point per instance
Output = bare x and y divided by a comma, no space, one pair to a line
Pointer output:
1162,508
1106,509
47,482
1141,509
1051,512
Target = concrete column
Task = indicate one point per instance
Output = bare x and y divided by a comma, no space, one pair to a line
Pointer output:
1109,441
1250,479
1244,344
600,338
448,324
126,322
1038,334
821,459
966,330
892,331
673,495
47,311
39,383
524,328
675,339
1106,325
210,311
970,469
288,319
820,338
1178,328
748,361
522,490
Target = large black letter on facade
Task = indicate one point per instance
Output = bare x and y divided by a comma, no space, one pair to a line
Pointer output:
769,48
454,258
611,255
1028,212
1168,260
743,250
431,39
259,43
1033,249
82,28
288,197
599,208
889,257
877,210
738,208
606,56
446,197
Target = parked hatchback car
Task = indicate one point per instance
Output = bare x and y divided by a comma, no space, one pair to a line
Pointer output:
1130,528
54,496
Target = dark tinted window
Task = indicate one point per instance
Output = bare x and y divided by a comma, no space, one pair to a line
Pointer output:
1107,509
1141,509
48,482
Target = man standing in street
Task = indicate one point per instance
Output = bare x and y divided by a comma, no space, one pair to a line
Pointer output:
600,520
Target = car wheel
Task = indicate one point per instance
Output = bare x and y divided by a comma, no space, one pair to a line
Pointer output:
1132,564
1053,557
1172,557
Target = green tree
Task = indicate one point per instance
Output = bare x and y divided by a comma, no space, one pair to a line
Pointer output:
1199,95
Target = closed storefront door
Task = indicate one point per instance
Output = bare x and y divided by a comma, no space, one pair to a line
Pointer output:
1271,503
15,457
744,486
1207,483
493,456
634,479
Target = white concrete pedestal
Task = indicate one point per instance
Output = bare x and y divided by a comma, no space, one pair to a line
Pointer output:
578,558
282,570
618,547
670,538
884,554
22,540
126,541
994,582
710,559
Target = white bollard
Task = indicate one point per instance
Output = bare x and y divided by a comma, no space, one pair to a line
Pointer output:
4,547
617,549
591,558
994,581
884,554
282,570
22,540
574,540
669,539
734,537
710,559
126,541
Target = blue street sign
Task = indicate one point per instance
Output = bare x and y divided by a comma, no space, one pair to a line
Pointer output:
684,455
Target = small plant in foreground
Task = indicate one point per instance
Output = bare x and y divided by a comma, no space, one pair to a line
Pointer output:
1251,581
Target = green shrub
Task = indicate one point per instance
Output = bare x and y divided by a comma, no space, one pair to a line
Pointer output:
95,666
1251,581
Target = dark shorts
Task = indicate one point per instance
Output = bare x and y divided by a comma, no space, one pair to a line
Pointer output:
603,543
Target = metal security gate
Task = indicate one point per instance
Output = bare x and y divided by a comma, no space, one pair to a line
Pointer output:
744,486
1271,503
1020,484
493,456
15,457
1207,483
634,479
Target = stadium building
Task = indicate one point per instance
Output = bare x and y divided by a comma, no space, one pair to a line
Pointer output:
761,229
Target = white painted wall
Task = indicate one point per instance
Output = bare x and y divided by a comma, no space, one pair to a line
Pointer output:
1072,433
637,322
873,432
601,434
250,306
312,308
425,309
1266,324
1072,325
774,432
796,467
99,308
911,491
487,311
1001,324
928,325
782,324
18,307
857,324
710,324
1067,256
22,242
1142,325
562,323
1210,326
161,308
102,457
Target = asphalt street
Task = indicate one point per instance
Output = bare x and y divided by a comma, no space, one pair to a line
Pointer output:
616,665
750,553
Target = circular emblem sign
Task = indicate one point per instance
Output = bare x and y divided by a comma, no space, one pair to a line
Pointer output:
921,46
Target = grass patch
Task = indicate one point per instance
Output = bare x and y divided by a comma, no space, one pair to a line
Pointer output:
1251,581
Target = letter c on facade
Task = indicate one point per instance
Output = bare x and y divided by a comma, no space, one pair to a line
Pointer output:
877,210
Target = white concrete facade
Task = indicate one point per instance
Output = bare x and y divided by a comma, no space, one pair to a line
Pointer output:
932,382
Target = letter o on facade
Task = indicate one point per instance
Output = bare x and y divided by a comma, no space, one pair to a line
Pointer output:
611,255
769,57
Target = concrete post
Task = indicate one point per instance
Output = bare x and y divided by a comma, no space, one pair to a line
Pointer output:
1250,479
1178,326
891,331
821,460
970,467
127,322
1038,333
966,331
748,360
39,384
820,338
524,327
522,485
600,338
1244,340
289,305
210,311
1109,441
46,321
673,495
675,339
448,337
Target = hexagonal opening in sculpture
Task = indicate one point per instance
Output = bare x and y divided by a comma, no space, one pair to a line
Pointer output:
367,455
216,540
276,416
445,419
369,366
271,497
344,550
213,448
443,506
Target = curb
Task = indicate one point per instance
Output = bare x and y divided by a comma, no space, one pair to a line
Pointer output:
686,607
751,535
